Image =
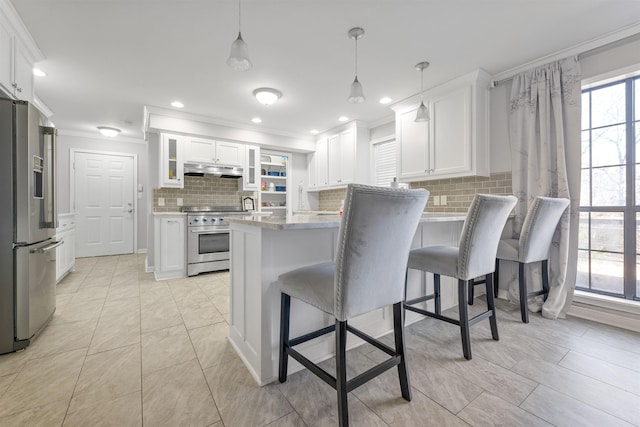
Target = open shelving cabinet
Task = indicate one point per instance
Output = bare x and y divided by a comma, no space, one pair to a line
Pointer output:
275,191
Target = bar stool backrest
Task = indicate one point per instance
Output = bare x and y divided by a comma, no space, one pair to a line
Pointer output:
377,228
481,234
538,228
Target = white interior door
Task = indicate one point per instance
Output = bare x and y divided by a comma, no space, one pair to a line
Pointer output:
104,204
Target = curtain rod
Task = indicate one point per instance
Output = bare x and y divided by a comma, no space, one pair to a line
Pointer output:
581,55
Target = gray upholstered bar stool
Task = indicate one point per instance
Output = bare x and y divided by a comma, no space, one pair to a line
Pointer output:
533,246
474,257
377,228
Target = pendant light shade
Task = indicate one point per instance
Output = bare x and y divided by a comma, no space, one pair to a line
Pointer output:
422,115
239,57
356,95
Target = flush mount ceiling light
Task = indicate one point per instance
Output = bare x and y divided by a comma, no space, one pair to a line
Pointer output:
109,131
266,95
422,115
356,96
239,57
177,104
39,73
385,100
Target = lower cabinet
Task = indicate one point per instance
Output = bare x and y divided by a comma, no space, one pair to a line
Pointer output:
66,252
170,251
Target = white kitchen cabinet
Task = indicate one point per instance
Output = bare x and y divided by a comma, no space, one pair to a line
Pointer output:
453,143
18,54
171,158
274,182
170,251
312,177
342,157
250,170
65,253
200,150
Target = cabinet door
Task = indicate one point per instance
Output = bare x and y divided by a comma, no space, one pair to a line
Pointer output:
347,157
200,150
172,164
335,159
6,58
22,74
322,163
413,145
312,169
451,133
172,246
228,153
251,173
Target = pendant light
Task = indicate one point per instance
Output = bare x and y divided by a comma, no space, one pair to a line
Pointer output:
422,115
239,57
356,96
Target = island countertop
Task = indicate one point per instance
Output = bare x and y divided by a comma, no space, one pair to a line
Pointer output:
307,222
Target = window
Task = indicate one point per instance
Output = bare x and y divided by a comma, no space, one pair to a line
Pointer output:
384,162
609,242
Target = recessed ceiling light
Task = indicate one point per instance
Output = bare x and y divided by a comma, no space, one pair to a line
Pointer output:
266,95
343,118
39,73
109,131
385,100
177,104
314,131
256,120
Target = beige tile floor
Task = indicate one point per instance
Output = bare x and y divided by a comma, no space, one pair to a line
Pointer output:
124,350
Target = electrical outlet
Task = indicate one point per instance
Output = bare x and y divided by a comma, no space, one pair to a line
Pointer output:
160,201
436,200
179,201
443,200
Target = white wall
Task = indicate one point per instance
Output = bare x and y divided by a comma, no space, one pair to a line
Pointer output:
68,141
597,64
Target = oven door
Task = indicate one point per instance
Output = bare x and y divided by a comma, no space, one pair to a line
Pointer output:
206,244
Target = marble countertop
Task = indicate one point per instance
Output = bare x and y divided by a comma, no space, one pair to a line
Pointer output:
307,222
169,213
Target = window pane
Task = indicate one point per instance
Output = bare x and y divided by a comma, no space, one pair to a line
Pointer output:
583,231
585,110
607,231
608,106
608,186
585,189
609,146
607,272
586,146
637,254
636,84
637,184
637,126
582,278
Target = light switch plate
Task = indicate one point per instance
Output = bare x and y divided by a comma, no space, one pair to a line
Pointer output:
160,201
436,200
443,200
179,201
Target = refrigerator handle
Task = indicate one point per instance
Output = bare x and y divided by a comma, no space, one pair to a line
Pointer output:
50,206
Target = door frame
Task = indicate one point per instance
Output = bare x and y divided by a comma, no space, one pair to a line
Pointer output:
72,184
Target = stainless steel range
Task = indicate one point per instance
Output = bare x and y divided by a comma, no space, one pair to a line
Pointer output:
208,237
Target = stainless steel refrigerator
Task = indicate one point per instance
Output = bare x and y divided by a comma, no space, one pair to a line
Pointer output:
28,220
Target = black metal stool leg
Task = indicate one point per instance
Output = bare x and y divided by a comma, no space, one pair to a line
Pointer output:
472,284
496,283
436,291
464,318
398,327
491,306
545,278
341,373
285,310
522,281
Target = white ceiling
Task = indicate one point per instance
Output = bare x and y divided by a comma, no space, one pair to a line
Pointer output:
106,59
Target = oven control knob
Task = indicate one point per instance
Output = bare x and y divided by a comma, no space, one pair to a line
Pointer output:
204,219
196,220
221,219
213,220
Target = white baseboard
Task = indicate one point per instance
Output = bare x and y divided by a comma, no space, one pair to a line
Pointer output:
148,268
142,251
608,316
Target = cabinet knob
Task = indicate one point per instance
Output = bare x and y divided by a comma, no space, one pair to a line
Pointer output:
19,89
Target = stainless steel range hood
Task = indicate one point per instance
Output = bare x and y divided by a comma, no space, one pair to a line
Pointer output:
200,169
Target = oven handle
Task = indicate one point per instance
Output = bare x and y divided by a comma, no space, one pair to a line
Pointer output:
210,231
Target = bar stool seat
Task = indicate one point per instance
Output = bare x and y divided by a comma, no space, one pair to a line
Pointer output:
474,257
376,231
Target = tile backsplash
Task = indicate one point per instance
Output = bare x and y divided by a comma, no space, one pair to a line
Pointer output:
207,190
458,191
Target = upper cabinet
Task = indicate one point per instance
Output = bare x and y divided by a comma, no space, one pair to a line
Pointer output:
171,159
250,171
341,157
18,54
200,150
454,142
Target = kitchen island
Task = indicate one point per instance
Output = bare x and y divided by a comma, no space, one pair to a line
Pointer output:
262,248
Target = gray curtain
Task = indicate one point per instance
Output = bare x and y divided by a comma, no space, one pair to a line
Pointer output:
544,132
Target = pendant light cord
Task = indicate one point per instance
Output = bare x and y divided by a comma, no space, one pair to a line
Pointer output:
356,61
422,85
239,16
